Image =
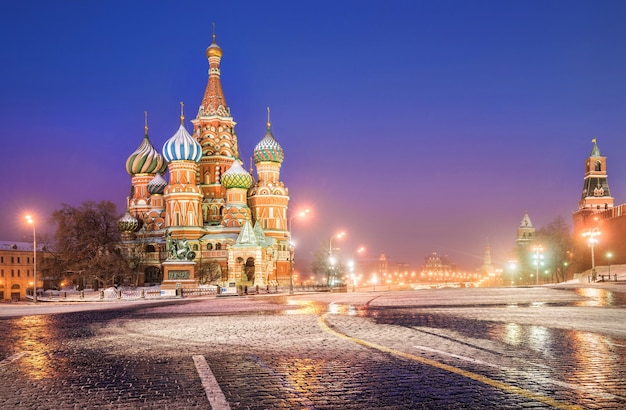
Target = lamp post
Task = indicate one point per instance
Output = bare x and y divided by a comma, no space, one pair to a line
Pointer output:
592,233
291,247
331,260
609,255
330,241
537,257
31,221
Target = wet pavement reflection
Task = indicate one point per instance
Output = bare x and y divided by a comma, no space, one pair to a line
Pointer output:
598,297
272,351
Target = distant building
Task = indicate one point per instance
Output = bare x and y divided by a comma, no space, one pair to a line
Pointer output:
597,214
437,268
210,220
525,232
487,268
16,270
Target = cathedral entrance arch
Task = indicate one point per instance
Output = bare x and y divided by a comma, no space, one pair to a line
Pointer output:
249,269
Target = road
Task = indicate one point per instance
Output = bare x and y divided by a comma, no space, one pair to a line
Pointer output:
536,347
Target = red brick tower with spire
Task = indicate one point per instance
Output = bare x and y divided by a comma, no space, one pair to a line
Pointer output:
214,129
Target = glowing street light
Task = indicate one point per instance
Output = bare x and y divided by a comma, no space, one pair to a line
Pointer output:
609,255
538,260
592,233
330,241
302,213
512,269
31,221
331,259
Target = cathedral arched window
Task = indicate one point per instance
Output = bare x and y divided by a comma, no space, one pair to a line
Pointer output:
209,246
150,248
598,166
218,246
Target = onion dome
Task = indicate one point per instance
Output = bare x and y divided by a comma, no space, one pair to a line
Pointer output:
128,223
268,149
145,159
157,185
182,146
236,177
214,50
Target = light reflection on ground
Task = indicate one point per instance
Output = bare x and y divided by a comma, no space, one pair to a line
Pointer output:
32,332
600,297
305,307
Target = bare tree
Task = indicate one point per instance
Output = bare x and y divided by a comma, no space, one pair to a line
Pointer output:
208,271
87,240
558,242
321,265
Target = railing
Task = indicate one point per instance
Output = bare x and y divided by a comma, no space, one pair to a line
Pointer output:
186,292
112,294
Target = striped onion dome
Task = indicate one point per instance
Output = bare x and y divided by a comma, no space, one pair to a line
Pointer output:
236,177
182,147
268,149
145,159
128,223
157,185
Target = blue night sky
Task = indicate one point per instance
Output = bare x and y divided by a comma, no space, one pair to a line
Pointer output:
414,126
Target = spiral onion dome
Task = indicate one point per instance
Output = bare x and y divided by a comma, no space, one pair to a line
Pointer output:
128,223
157,185
145,159
236,177
268,149
182,147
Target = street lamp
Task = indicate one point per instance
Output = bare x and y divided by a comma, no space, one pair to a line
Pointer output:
512,268
538,260
31,221
352,264
609,255
291,247
592,233
331,274
331,259
330,241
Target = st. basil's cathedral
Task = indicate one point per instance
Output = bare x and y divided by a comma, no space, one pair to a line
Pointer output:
212,221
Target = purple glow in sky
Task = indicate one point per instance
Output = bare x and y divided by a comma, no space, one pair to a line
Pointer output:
414,126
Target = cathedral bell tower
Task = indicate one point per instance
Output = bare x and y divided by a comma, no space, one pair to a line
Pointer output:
214,129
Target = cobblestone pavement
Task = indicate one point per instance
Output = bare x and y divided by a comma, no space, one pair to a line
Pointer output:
448,348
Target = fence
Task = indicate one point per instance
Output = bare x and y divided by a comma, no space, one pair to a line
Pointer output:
112,294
